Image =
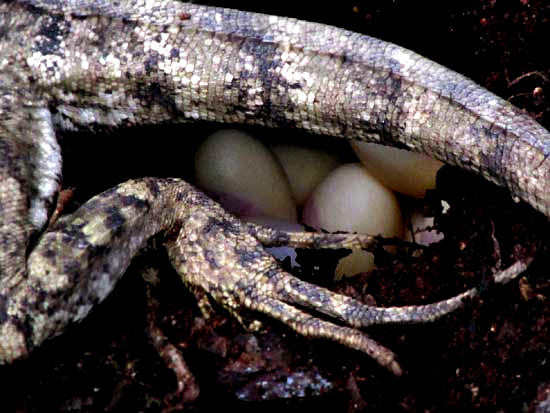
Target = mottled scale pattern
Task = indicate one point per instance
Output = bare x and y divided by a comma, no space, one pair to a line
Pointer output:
97,64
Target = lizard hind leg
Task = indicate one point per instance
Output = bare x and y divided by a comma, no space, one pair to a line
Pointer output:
223,256
214,252
262,290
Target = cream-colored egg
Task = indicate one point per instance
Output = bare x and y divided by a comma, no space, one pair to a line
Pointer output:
352,200
305,167
403,171
244,176
422,229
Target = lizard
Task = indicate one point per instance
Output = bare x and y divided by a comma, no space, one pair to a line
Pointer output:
96,65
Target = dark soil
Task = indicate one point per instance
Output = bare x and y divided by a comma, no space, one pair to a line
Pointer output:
491,355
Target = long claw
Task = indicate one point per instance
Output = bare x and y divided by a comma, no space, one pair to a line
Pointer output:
309,326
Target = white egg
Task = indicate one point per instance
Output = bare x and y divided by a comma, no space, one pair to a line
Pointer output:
403,171
244,176
305,168
422,229
352,200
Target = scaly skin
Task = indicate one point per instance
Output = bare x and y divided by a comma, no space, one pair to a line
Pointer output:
79,65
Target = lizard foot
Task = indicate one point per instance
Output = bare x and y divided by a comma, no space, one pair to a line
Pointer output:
216,252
